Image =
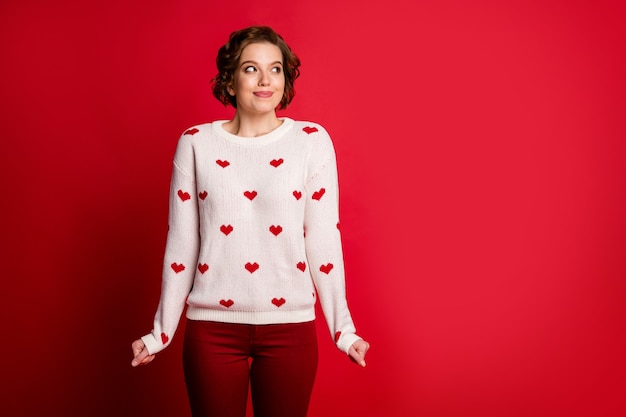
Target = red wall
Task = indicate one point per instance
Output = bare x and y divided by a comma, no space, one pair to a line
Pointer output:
482,160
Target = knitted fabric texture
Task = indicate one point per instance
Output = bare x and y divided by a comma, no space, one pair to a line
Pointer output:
253,232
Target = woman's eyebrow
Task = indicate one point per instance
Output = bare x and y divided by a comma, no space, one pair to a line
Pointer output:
250,61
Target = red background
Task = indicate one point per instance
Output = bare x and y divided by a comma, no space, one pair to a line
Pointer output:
482,164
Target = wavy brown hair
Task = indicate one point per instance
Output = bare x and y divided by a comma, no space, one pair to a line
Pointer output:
228,59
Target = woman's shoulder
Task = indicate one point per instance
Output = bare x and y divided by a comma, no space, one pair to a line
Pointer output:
192,137
310,128
200,128
307,122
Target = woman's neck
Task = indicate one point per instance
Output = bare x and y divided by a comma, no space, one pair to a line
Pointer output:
250,126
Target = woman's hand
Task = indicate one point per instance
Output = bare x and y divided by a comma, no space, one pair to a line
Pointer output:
140,354
358,350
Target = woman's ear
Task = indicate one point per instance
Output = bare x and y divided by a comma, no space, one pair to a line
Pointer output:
230,90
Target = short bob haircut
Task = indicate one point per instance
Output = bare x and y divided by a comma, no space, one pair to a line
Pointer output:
228,59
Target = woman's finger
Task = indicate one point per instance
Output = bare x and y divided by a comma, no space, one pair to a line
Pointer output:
141,354
357,353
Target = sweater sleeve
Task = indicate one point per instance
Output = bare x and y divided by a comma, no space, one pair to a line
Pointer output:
323,242
181,249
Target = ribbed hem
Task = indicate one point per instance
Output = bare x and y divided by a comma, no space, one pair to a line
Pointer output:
251,317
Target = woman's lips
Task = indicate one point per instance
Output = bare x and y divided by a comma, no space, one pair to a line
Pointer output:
263,94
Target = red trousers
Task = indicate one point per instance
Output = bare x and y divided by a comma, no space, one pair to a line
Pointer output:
277,361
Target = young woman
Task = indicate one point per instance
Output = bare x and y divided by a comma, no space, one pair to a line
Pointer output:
253,241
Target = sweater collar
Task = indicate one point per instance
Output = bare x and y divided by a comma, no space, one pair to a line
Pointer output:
262,140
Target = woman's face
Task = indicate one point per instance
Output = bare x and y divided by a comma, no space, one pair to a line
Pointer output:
259,81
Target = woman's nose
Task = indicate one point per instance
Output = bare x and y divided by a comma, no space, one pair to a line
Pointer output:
264,78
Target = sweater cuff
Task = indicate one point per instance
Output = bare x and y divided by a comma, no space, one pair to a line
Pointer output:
347,340
153,345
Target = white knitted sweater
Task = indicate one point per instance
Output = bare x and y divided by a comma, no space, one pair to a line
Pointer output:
253,232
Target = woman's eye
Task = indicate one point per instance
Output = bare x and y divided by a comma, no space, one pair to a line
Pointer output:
276,70
249,69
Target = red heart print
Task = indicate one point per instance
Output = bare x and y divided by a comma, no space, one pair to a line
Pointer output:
191,131
297,194
326,268
278,301
250,194
203,195
252,267
203,268
276,229
177,267
337,336
318,194
276,162
164,338
301,266
221,163
226,229
309,129
183,195
227,303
